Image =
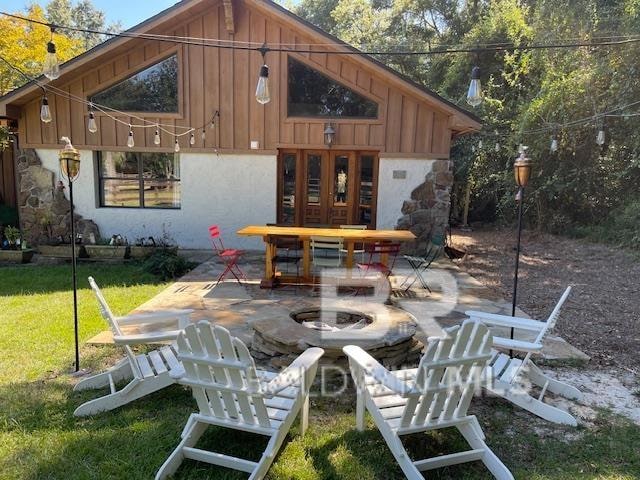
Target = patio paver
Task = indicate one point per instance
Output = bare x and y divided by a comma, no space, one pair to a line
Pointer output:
236,307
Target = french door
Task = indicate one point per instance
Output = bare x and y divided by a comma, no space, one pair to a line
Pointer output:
327,187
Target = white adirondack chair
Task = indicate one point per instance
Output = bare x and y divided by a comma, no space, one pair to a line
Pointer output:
232,393
433,396
507,372
148,372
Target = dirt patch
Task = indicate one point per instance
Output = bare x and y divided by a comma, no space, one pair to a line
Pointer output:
601,316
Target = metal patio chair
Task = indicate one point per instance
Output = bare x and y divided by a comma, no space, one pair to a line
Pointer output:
229,256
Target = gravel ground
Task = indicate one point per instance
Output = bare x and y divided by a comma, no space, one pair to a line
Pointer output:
601,316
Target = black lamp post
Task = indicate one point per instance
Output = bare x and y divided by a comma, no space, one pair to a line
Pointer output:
69,169
522,171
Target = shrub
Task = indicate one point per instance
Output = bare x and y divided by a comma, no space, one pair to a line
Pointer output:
167,264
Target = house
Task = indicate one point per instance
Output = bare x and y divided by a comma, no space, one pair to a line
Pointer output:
240,161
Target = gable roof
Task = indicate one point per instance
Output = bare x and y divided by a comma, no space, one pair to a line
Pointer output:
465,120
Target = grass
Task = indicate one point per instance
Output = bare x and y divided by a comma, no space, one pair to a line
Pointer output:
40,438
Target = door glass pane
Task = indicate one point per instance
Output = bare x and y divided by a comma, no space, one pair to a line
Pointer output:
366,189
313,179
341,179
289,189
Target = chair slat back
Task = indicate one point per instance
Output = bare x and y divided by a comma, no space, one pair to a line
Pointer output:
553,318
216,238
449,372
222,374
112,320
325,245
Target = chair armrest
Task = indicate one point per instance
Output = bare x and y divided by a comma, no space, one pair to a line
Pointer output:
150,317
295,373
507,321
146,338
373,368
519,345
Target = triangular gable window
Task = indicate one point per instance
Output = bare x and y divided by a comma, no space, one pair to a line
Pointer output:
312,94
154,89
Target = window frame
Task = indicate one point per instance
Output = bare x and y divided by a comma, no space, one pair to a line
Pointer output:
177,52
98,156
378,120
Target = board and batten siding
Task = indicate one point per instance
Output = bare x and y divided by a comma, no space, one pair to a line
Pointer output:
222,79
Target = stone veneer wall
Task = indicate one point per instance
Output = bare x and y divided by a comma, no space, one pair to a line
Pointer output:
426,214
39,199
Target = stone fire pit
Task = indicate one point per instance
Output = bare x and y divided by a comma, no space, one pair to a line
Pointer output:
384,331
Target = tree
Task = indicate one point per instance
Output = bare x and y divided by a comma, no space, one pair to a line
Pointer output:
24,45
83,15
528,94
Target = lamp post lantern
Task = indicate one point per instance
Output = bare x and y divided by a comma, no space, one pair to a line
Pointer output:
329,135
522,173
69,159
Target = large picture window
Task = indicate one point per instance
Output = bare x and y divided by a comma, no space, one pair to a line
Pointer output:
312,94
154,89
139,179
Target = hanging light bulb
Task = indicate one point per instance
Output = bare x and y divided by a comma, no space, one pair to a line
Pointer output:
600,138
497,147
262,89
45,111
554,145
156,137
192,140
479,144
474,95
92,126
203,135
176,147
51,67
130,142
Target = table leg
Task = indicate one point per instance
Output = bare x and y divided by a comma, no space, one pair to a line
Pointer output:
350,248
268,262
306,258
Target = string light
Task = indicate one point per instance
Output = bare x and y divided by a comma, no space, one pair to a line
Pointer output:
480,144
156,137
92,126
203,135
600,138
176,147
130,142
192,140
497,147
554,145
51,67
45,111
262,88
474,95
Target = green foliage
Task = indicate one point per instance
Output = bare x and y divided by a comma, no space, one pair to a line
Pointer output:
621,228
12,234
528,94
167,264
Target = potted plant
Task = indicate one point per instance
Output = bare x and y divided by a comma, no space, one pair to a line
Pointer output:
13,250
56,246
116,247
143,247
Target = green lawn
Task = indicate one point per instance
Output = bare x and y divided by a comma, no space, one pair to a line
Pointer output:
40,438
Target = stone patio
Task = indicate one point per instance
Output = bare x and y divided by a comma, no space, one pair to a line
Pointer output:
238,307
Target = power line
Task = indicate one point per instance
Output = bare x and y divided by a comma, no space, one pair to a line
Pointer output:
255,46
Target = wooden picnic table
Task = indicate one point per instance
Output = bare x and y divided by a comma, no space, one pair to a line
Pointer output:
270,233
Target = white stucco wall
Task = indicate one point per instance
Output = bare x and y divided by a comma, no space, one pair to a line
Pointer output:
229,190
393,191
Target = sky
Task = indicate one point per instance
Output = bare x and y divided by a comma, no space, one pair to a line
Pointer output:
128,12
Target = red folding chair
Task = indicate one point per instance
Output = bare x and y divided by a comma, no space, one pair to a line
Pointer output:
378,249
374,264
229,256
